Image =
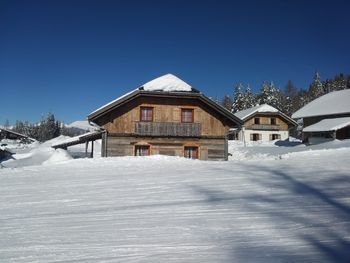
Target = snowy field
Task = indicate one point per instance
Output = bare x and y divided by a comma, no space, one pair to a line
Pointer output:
268,204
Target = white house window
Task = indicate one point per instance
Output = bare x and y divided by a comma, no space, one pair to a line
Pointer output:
275,137
255,137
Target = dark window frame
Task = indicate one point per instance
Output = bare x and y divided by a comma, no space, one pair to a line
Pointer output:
256,120
189,152
273,121
147,119
255,137
275,136
183,118
141,148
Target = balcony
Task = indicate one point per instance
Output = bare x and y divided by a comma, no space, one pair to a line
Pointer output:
168,129
267,127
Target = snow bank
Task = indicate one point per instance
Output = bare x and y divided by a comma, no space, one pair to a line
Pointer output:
58,156
167,209
167,82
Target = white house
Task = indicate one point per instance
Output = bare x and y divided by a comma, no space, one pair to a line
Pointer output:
264,123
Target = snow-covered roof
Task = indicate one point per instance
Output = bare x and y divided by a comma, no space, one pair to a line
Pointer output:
260,108
167,82
83,125
92,135
164,86
336,102
114,101
328,125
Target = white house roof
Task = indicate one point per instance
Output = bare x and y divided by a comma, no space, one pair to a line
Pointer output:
167,82
244,114
328,125
336,102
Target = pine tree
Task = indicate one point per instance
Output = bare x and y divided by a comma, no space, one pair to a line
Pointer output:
272,99
238,99
280,100
264,94
249,100
227,102
290,104
316,89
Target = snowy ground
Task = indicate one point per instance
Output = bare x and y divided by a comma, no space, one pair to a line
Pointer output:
272,204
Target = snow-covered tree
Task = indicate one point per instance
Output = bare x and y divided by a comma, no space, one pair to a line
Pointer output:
249,100
316,89
290,101
238,99
279,99
271,97
264,94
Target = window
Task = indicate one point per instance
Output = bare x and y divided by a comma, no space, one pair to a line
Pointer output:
256,120
275,137
273,121
146,114
255,137
191,152
186,115
142,150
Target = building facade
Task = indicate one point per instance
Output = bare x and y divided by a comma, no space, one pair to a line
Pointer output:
167,117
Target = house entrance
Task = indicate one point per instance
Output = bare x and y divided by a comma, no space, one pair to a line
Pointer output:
191,152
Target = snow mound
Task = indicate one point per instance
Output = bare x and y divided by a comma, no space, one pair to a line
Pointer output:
58,156
167,82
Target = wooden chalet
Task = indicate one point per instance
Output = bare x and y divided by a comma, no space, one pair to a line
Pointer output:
165,116
264,123
326,118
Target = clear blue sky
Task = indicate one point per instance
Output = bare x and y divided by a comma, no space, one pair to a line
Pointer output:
71,57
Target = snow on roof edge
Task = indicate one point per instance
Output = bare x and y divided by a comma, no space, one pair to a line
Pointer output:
336,102
260,108
328,125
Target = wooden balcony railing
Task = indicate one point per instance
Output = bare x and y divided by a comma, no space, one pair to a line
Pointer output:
265,127
171,129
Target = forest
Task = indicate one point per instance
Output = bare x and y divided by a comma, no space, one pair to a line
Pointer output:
288,100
